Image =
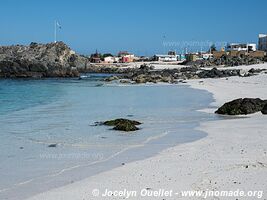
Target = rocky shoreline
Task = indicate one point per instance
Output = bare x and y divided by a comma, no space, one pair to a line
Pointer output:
146,74
58,60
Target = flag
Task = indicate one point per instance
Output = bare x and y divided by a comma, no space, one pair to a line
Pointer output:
58,25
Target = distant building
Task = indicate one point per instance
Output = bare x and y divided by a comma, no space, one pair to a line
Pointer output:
95,58
126,57
123,53
241,47
191,57
165,58
219,54
170,57
111,59
144,59
263,42
181,57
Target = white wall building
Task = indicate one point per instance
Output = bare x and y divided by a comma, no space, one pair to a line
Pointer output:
263,42
166,58
241,47
111,59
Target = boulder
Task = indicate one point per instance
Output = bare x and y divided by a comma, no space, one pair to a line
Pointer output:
111,78
123,124
140,78
167,79
120,120
264,110
144,67
242,106
126,126
52,145
189,69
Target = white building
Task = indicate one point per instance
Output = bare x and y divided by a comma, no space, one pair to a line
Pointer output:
241,47
111,59
263,42
206,56
166,58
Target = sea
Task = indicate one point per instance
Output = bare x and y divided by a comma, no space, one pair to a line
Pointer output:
48,136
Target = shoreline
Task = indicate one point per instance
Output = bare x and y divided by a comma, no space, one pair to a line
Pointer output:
228,157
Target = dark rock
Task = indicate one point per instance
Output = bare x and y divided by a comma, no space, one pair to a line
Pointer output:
115,122
140,79
52,145
111,78
189,69
144,67
256,71
123,124
242,106
126,126
264,110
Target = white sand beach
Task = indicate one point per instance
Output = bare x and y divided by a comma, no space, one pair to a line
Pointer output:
233,156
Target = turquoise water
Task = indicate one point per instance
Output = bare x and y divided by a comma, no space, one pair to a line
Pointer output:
37,113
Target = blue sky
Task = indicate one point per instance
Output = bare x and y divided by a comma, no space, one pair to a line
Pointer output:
139,26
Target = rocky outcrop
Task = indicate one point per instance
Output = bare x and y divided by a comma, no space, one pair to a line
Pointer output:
123,124
40,60
147,74
242,106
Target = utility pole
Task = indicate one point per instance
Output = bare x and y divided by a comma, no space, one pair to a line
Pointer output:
55,32
57,25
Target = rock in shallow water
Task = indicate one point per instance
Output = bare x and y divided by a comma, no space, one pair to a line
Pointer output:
126,126
115,122
52,145
242,106
123,124
111,78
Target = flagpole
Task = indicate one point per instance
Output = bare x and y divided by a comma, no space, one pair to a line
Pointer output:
55,31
